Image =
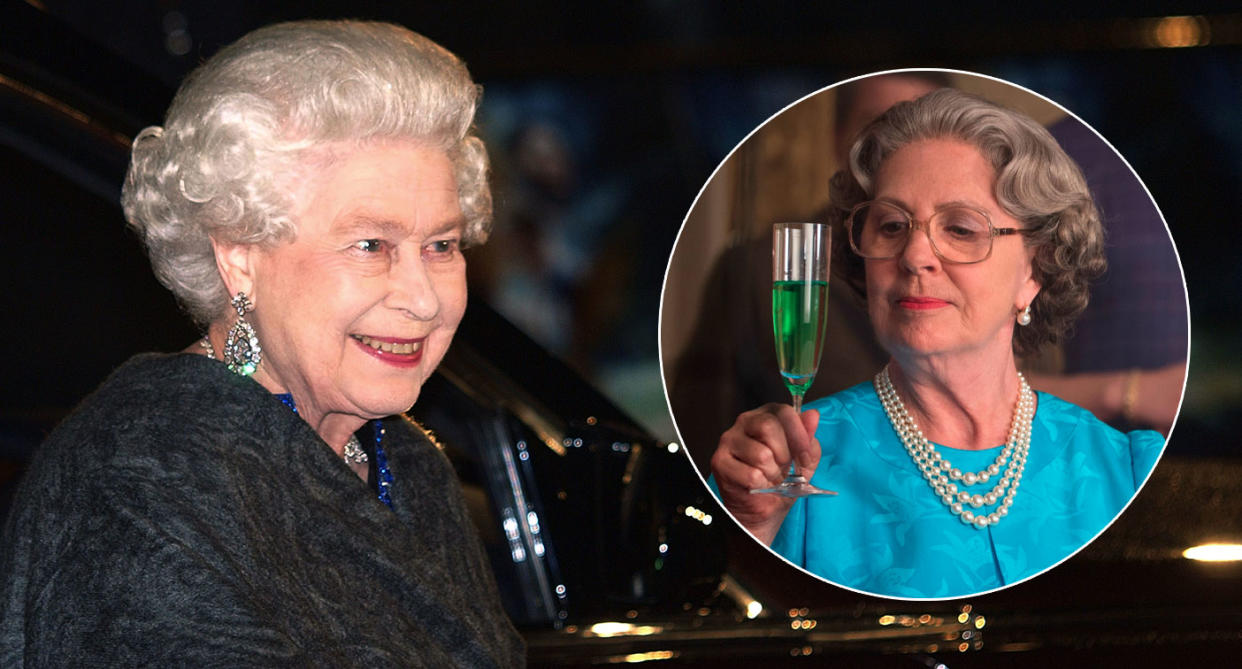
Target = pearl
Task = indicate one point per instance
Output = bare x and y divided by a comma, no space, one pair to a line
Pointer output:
925,456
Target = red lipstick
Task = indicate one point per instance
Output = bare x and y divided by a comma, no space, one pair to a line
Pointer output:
395,351
921,303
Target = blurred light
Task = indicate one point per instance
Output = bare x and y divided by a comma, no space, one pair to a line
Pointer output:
177,39
663,548
591,420
887,620
1180,31
926,618
980,622
1214,552
963,617
634,658
611,629
963,647
753,609
560,590
673,448
699,515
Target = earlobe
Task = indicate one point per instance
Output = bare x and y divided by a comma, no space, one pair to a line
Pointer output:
236,265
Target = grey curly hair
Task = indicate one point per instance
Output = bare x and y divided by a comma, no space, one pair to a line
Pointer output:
243,125
1036,183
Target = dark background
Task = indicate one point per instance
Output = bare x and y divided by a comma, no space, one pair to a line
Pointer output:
636,104
642,100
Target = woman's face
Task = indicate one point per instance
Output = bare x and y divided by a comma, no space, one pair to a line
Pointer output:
356,312
923,306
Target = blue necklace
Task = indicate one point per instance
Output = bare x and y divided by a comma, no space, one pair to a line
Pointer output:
381,460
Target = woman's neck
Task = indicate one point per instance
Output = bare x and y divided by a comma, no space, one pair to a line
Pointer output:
964,402
334,428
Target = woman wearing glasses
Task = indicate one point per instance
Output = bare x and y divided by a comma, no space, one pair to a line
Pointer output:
973,238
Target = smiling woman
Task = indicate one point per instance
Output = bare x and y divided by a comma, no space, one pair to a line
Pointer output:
258,498
360,307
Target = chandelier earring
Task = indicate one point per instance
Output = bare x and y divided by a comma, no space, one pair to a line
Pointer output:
1024,316
242,352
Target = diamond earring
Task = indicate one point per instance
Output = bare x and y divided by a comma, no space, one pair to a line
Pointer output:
1024,316
242,352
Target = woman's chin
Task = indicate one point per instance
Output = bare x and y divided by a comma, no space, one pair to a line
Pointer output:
378,404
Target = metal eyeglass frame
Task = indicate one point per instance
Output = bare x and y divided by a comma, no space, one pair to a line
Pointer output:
916,223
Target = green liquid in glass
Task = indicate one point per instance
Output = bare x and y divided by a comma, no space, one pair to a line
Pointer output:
799,309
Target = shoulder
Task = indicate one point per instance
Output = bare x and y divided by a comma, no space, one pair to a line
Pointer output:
1059,421
153,410
1060,413
849,419
841,405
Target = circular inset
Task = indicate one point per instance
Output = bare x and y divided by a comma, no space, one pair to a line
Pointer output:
987,215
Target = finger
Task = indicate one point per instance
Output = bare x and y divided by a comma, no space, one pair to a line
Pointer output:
767,428
796,434
808,458
743,477
738,447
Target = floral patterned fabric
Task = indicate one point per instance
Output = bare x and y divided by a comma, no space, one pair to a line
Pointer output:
887,533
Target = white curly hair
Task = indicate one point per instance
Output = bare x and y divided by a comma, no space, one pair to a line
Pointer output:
244,125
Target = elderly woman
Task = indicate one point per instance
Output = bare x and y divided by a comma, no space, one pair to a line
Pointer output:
258,498
973,237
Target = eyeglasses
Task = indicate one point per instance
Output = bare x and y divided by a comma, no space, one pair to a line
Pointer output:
958,234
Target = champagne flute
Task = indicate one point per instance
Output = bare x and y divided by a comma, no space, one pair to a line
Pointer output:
800,261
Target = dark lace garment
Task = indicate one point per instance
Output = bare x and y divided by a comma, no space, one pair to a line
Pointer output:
183,515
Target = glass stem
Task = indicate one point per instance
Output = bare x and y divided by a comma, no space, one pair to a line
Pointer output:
797,405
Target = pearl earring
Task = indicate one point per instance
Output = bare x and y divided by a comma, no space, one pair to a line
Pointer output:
1024,316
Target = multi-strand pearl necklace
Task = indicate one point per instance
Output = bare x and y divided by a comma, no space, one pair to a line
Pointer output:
941,475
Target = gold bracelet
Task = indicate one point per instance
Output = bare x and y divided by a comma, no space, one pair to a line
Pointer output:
1129,395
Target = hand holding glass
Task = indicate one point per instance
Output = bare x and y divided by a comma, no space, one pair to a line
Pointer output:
800,262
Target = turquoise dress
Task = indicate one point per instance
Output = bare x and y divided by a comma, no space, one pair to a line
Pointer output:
887,533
